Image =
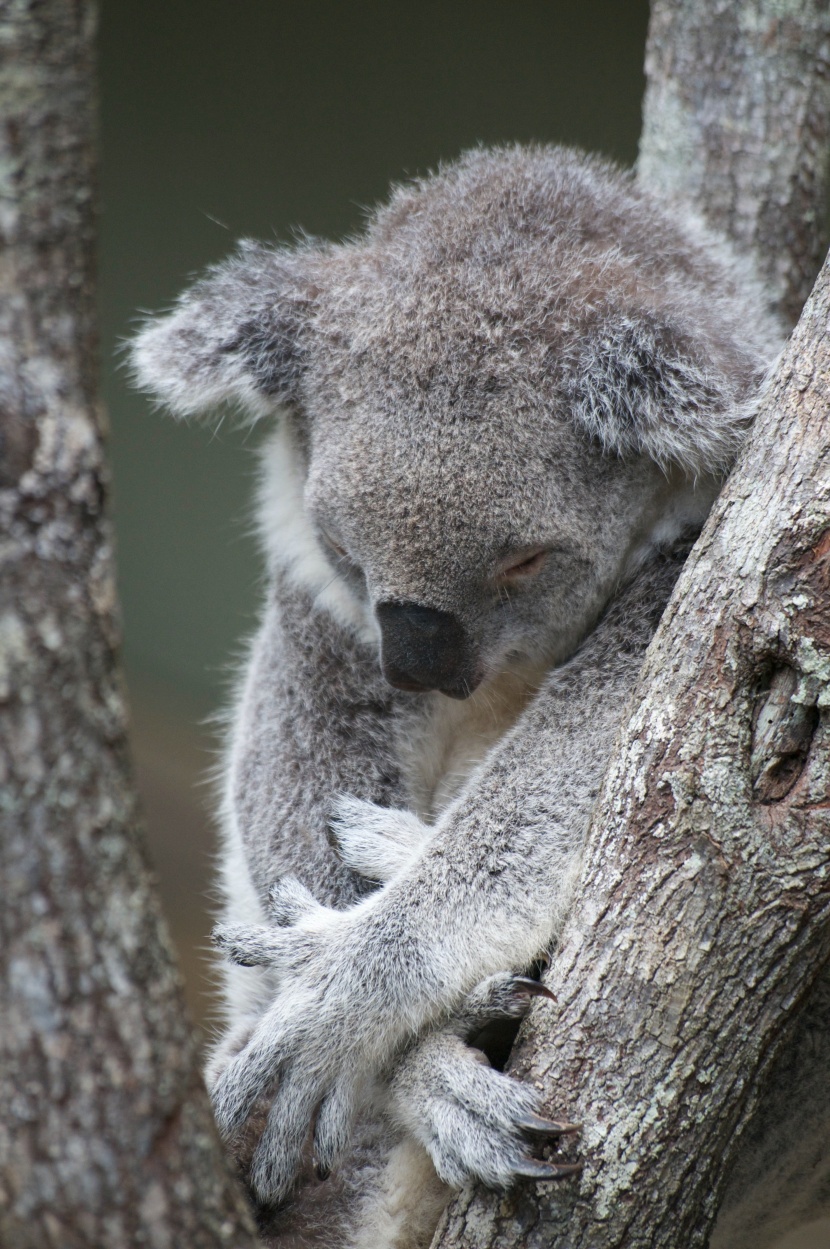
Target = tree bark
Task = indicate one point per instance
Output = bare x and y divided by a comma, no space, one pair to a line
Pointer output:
106,1136
702,919
736,124
703,914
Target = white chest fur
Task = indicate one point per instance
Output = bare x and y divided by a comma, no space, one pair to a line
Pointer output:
450,738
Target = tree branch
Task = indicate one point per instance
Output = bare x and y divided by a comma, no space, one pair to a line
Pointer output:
703,915
106,1136
736,124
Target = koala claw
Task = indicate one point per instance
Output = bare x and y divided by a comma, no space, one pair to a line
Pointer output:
531,1122
473,1121
533,988
533,1169
501,996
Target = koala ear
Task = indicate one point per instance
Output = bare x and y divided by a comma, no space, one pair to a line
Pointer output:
640,384
237,336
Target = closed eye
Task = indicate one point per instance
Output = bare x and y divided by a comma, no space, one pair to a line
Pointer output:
528,565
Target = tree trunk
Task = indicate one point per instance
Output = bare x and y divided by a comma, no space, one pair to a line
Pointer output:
106,1136
703,915
736,124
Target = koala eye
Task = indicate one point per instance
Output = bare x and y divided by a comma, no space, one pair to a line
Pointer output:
527,566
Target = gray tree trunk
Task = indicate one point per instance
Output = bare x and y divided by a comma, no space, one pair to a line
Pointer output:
736,124
106,1136
702,924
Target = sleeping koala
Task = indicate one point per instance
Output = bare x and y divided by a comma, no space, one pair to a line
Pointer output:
501,414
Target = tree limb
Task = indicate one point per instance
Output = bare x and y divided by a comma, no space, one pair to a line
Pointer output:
106,1136
736,124
702,919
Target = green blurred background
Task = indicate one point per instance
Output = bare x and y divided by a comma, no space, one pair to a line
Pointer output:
225,119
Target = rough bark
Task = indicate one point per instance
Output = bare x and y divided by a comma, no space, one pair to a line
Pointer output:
736,124
704,907
702,922
106,1137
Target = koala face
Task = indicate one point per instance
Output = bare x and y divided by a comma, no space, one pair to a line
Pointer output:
489,531
524,372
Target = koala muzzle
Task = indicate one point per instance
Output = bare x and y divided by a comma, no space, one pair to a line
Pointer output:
425,649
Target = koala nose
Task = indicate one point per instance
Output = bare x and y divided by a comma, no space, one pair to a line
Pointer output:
424,649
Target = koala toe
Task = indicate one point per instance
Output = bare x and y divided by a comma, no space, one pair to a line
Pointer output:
332,1130
290,901
248,945
278,1156
475,1122
250,1075
226,1049
501,996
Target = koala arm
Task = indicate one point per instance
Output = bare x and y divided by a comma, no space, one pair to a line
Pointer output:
313,720
487,892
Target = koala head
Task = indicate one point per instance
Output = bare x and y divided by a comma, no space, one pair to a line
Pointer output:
524,375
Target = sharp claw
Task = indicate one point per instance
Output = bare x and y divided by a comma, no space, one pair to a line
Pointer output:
533,1169
322,1171
546,1127
533,988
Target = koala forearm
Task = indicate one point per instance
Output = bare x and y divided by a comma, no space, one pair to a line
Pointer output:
306,731
491,887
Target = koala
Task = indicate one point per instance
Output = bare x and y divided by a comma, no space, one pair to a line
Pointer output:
499,416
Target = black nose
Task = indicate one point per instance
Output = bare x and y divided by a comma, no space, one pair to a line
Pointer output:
424,649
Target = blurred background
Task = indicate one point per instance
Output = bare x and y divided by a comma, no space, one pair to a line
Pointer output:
223,120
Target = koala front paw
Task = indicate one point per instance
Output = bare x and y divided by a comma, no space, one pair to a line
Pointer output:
501,996
376,842
476,1123
316,1044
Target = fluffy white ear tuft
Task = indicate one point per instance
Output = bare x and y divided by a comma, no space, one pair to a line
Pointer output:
643,385
237,336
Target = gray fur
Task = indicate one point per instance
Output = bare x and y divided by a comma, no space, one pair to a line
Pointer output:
524,353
